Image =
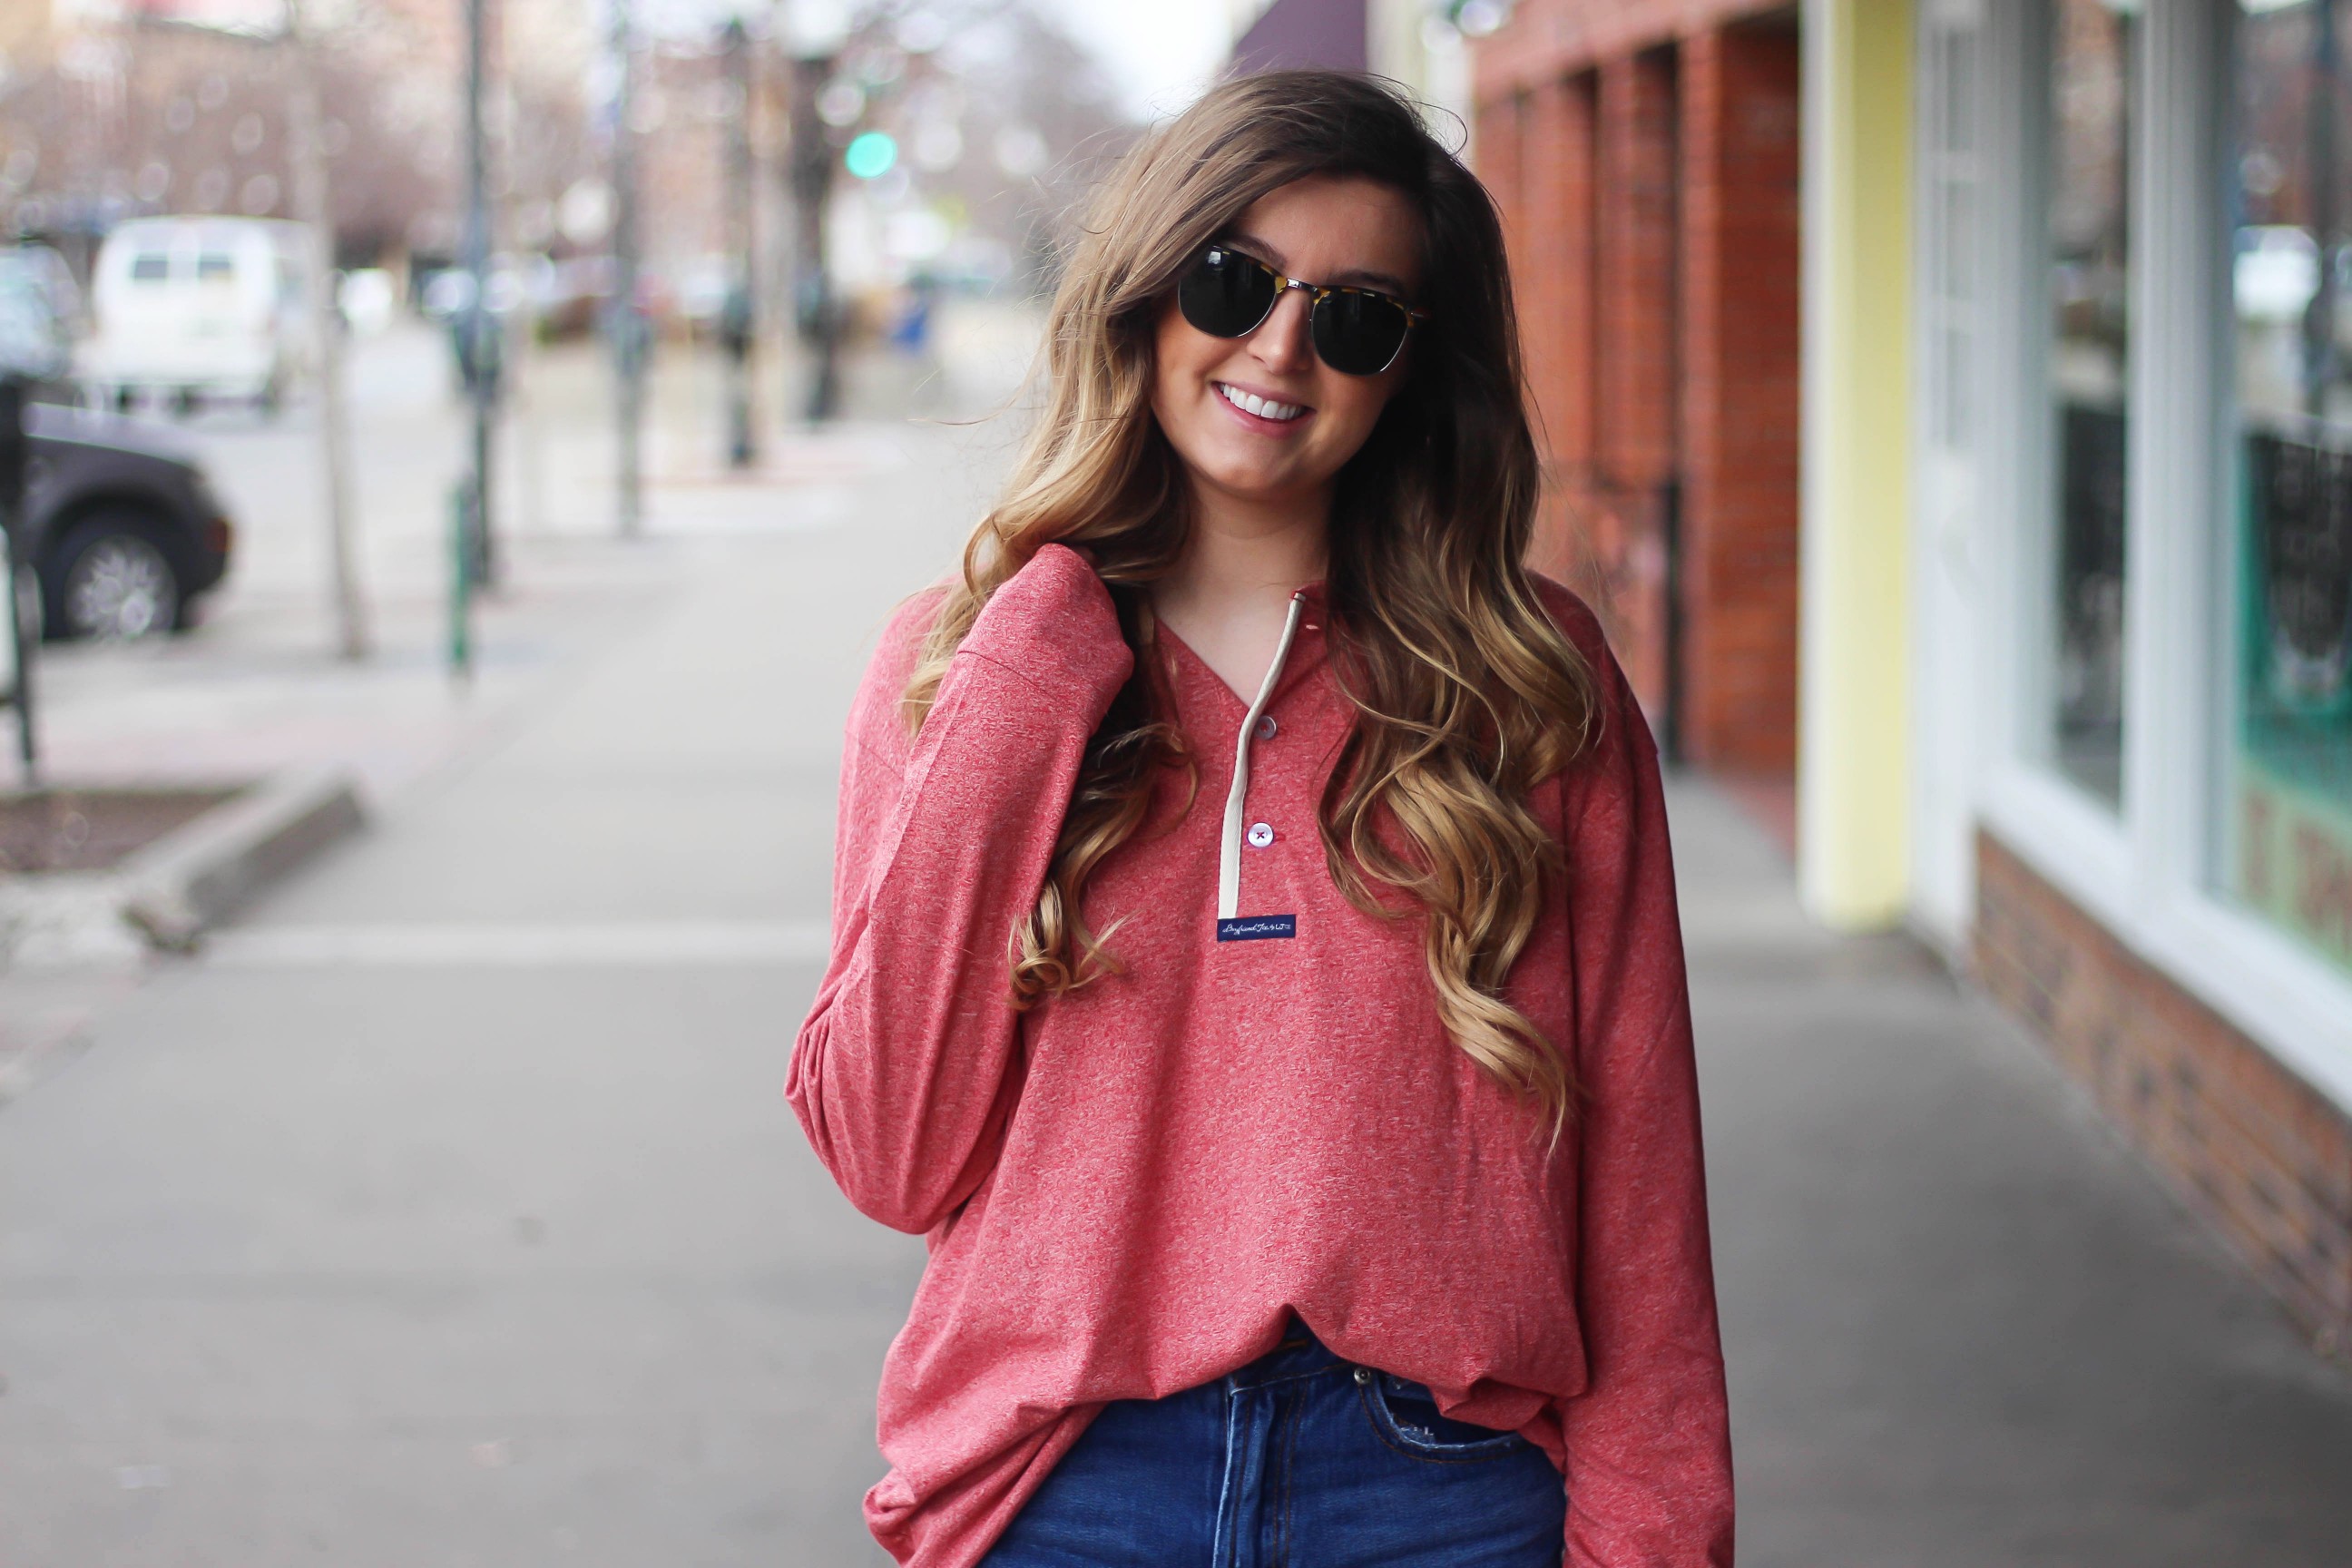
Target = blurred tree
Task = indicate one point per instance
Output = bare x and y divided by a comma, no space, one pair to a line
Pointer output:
99,121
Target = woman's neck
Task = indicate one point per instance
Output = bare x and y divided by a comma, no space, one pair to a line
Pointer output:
1229,594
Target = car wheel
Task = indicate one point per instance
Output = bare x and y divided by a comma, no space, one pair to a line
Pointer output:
117,583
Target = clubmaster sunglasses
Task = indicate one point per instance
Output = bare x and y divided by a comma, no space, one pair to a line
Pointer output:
1356,332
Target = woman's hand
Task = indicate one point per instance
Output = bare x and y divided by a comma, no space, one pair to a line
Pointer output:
1053,622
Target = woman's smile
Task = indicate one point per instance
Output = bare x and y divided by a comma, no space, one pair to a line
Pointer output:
1261,410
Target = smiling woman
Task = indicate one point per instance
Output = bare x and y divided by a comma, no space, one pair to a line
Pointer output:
1315,1180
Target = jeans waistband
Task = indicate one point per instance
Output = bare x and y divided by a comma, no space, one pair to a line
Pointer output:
1300,1355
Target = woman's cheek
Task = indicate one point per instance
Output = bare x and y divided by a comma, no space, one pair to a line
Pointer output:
1354,426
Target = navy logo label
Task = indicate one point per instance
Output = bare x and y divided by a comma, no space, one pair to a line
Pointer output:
1257,928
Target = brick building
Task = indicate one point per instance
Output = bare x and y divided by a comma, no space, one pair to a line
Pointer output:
1646,157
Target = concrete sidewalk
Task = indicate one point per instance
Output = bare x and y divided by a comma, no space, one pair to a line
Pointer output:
1963,1327
447,1212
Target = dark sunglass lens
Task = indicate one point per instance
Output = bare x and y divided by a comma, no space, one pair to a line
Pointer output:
1359,334
1225,293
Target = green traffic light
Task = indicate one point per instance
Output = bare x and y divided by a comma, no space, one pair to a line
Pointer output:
871,155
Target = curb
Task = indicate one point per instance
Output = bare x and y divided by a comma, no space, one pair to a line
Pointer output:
166,896
186,882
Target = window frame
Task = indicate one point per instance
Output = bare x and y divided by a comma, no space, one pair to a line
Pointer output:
1957,331
2148,873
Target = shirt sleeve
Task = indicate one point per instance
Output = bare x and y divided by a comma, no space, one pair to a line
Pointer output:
904,1074
1648,1449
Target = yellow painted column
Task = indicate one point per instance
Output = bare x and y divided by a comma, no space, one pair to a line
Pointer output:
1855,682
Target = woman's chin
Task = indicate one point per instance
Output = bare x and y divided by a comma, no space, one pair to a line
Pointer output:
1256,485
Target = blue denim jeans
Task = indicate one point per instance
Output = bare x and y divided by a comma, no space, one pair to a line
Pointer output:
1297,1460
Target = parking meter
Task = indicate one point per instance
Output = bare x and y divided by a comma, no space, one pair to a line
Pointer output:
13,445
735,330
735,322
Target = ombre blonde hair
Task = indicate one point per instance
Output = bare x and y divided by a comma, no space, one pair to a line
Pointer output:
1466,693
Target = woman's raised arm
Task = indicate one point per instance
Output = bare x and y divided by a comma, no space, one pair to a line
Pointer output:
903,1074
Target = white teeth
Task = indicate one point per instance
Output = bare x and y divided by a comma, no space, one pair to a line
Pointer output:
1264,408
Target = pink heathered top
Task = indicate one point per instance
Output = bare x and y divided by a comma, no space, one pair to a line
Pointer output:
1127,1190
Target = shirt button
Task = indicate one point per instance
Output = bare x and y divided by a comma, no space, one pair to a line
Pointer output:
1260,834
1266,727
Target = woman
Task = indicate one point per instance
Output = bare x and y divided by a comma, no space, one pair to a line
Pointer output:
1256,967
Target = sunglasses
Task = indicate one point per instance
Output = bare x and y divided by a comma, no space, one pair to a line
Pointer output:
1356,332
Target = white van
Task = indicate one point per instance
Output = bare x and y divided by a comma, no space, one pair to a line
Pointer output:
198,308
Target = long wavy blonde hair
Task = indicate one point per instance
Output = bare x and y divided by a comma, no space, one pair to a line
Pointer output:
1466,693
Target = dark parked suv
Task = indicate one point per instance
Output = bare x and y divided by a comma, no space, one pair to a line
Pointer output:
124,528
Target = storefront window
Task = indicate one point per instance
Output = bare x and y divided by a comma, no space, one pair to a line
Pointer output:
2088,147
2286,796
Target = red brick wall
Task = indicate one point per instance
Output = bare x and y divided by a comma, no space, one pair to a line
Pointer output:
1649,163
2239,1138
1555,274
1740,376
1635,351
1499,146
1546,39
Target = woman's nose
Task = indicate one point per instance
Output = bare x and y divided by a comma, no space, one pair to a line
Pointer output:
1282,343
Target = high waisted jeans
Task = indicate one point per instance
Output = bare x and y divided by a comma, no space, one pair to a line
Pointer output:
1297,1460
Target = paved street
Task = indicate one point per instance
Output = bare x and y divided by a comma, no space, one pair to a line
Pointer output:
446,1212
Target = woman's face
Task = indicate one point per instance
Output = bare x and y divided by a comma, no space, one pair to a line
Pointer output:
1324,230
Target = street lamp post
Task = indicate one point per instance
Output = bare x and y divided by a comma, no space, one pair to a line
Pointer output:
480,336
811,174
740,323
814,31
628,326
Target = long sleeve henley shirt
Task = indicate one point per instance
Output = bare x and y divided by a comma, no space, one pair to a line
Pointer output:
1127,1190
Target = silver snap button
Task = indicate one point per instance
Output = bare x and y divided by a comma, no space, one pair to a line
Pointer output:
1260,834
1363,1374
1266,727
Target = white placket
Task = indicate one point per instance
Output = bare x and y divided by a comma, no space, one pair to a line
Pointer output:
1229,849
